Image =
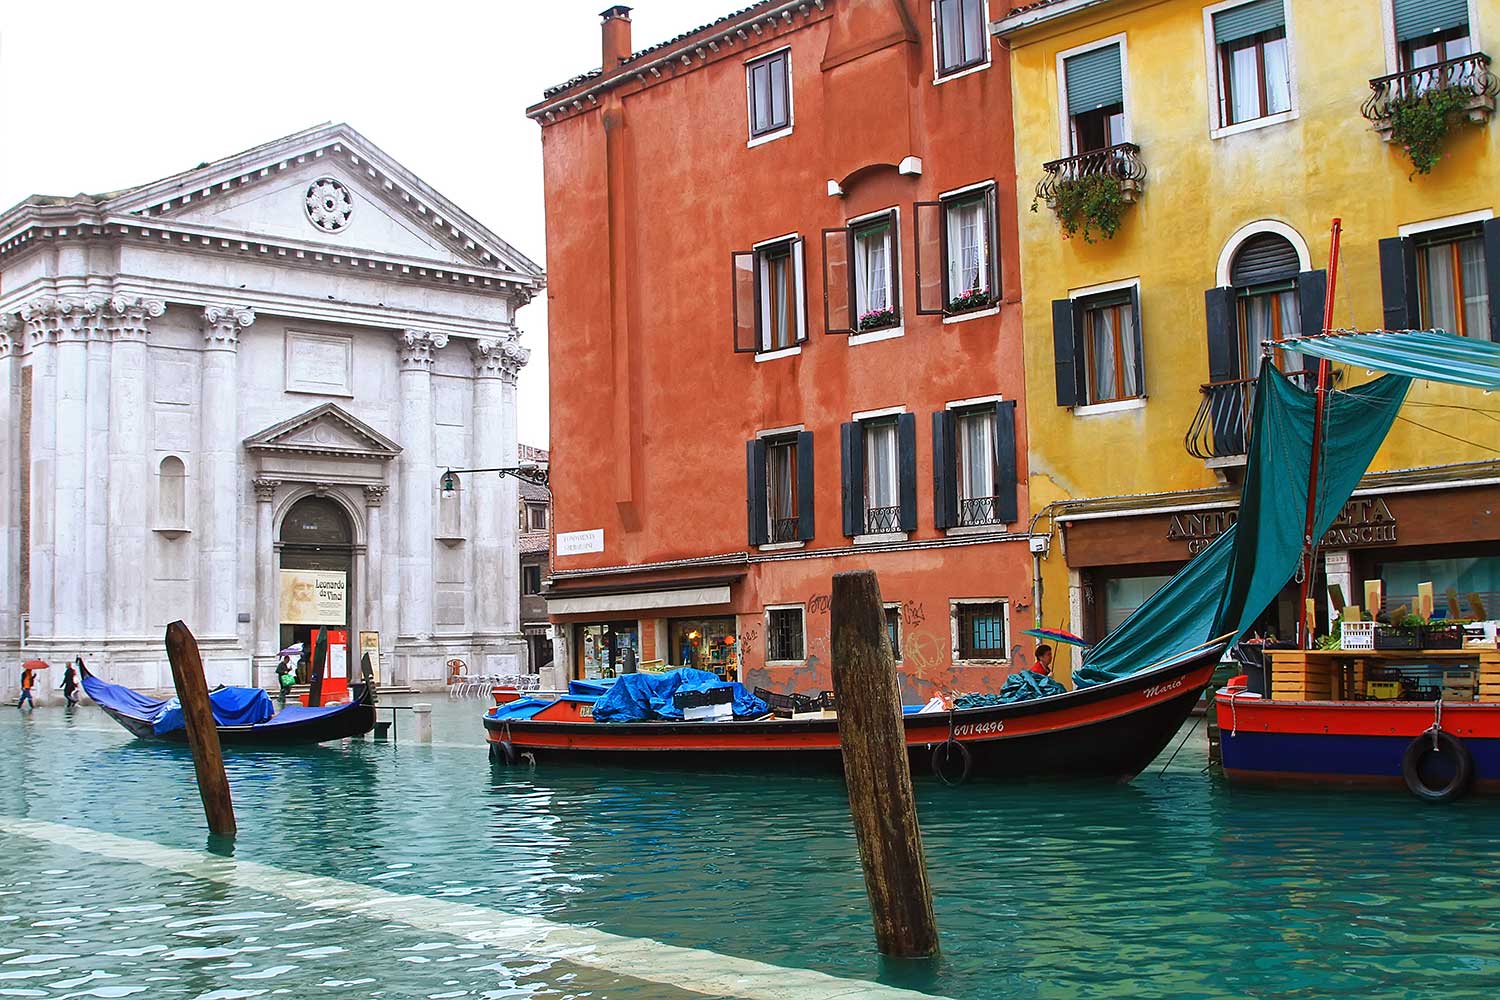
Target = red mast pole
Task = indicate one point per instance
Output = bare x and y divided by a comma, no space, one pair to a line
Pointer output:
1305,620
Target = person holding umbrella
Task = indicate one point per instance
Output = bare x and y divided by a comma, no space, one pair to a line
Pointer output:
28,681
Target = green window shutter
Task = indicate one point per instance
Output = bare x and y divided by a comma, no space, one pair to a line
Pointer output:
1250,19
1415,18
1094,80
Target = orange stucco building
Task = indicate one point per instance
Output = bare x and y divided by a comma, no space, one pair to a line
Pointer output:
785,340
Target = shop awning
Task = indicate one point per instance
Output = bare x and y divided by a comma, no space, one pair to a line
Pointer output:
639,596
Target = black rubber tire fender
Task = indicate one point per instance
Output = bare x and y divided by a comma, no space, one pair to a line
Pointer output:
1417,751
943,753
501,752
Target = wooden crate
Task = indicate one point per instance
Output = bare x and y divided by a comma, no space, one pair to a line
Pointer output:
1489,675
1296,676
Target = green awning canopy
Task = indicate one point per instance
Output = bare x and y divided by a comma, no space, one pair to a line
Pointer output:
1248,19
1415,18
1093,79
1424,354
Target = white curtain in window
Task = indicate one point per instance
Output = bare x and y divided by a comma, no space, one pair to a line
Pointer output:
968,248
1438,276
872,270
1244,85
951,28
778,328
1291,326
1476,288
1258,330
782,474
1128,346
976,455
1278,82
880,464
1102,347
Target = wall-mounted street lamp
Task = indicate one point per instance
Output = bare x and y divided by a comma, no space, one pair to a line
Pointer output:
534,473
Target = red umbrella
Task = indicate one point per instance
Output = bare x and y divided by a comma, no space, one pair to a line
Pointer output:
34,665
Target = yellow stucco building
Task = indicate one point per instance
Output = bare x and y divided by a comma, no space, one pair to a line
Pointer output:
1222,139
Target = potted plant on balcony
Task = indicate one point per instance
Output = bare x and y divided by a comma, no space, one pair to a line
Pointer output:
1088,205
1421,122
877,319
970,299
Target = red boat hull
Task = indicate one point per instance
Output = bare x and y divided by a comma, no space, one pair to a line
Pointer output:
1109,731
1346,742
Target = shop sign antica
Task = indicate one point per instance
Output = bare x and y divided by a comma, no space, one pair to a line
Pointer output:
1364,521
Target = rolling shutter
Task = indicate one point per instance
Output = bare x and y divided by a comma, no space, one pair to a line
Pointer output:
756,514
944,475
1398,283
852,476
1415,18
906,463
1093,80
1249,19
1262,259
806,523
1006,508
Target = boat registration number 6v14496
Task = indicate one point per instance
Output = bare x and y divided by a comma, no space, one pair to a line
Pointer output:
979,728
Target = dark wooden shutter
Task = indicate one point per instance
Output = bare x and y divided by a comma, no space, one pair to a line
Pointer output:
799,275
1140,340
852,450
806,525
838,281
746,311
1063,354
906,458
1398,283
1223,335
756,512
1006,475
944,477
992,220
1492,272
1312,297
929,237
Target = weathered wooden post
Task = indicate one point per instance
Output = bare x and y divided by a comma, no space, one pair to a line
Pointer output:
203,736
876,770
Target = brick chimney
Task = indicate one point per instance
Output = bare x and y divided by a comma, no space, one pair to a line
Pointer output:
616,30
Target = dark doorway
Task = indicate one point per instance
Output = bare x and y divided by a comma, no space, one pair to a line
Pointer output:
316,534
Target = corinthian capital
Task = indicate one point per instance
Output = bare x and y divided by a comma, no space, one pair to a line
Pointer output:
128,317
499,359
10,325
63,318
417,347
222,326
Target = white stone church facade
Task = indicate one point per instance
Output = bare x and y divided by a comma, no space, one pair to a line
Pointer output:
267,361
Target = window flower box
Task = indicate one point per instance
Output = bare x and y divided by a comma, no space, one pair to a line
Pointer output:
878,319
974,298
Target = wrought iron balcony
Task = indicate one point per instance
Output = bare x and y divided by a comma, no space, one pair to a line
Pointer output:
1470,73
1221,427
785,529
1121,161
882,519
978,510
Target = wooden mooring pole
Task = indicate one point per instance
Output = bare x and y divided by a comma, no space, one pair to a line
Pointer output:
203,736
317,665
876,770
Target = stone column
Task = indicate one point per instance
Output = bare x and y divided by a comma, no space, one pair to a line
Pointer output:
10,421
493,567
418,480
267,565
374,581
218,469
130,475
42,318
79,321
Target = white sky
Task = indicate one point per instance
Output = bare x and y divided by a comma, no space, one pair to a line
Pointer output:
100,96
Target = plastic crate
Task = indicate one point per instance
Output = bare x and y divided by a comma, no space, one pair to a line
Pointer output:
1442,637
702,699
1356,635
1383,690
1398,637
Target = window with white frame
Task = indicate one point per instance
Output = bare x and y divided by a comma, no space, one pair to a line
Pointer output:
782,491
1252,61
1452,281
974,445
768,91
769,298
1429,32
981,630
785,641
882,477
957,252
962,37
1094,86
877,281
1112,345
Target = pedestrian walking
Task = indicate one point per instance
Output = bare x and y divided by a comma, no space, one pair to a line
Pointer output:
285,677
28,681
69,686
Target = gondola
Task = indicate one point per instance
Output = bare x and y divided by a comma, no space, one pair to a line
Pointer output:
1108,731
146,718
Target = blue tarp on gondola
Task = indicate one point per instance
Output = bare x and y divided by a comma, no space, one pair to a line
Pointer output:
232,706
642,697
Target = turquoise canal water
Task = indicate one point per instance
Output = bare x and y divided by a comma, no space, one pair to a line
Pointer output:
1175,886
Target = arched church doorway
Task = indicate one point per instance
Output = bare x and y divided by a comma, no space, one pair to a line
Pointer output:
317,564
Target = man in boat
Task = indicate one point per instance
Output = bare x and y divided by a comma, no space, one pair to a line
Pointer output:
1043,663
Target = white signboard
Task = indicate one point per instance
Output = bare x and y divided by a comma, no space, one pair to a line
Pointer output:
312,597
578,543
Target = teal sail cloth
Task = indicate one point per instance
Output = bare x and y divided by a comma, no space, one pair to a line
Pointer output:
1424,354
1225,588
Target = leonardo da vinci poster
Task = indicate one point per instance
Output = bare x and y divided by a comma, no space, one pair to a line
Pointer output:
313,597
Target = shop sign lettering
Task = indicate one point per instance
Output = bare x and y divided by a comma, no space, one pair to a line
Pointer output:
1363,521
578,543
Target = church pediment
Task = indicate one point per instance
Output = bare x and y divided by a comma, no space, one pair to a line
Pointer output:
326,430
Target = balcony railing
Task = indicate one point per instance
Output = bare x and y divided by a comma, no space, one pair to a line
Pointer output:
785,529
1221,427
1122,161
1470,73
882,519
978,510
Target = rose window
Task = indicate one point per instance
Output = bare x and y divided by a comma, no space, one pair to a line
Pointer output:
329,205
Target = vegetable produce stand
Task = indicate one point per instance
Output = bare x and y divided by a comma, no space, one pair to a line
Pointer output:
1344,674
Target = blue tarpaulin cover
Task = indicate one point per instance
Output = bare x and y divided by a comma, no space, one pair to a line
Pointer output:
642,697
521,708
232,706
589,687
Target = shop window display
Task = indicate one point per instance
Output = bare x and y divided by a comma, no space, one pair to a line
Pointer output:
706,643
